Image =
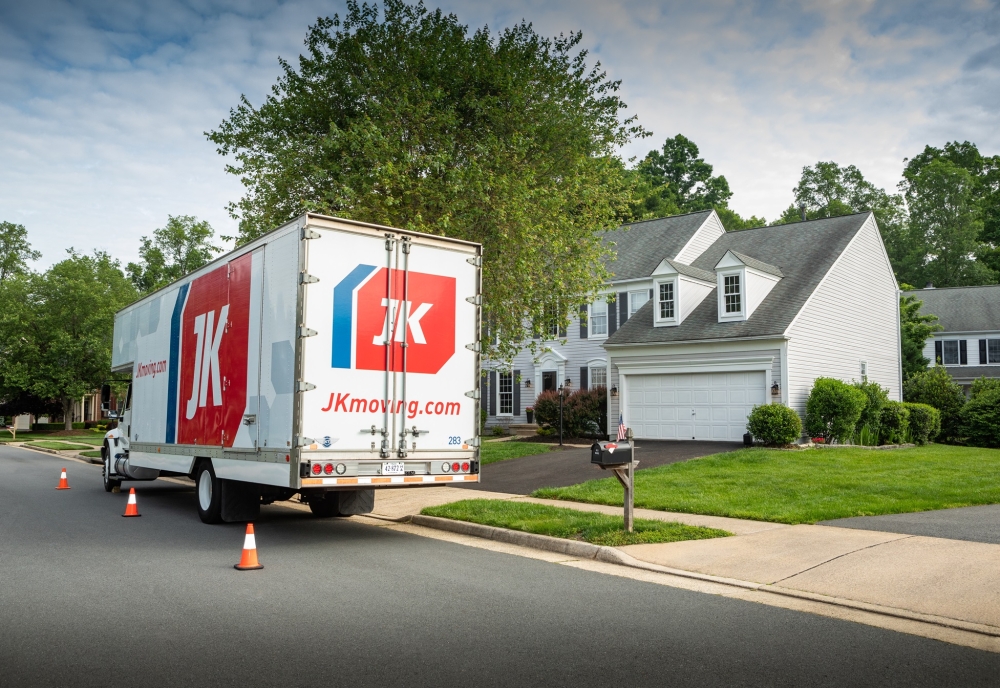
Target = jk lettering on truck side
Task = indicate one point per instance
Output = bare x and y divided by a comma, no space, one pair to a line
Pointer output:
326,358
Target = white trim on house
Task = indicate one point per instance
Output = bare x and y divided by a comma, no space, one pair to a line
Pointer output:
706,235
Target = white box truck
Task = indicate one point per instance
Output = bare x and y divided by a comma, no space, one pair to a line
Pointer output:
326,359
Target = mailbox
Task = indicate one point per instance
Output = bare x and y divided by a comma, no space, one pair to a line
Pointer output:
611,453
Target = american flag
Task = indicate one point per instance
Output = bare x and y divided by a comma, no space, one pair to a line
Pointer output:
621,428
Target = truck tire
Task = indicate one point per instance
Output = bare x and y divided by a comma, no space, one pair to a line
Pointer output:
324,505
109,484
209,493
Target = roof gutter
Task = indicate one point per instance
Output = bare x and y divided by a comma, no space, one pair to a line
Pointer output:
700,341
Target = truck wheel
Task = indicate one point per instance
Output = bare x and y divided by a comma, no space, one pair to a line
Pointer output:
109,484
209,493
325,505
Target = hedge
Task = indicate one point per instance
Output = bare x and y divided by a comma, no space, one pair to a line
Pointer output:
833,409
774,424
981,419
925,422
585,411
936,388
894,421
871,416
56,427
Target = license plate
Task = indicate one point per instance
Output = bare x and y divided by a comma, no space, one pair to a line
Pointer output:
393,468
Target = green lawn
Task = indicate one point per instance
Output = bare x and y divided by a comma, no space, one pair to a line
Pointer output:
511,449
809,485
92,438
91,454
59,446
599,529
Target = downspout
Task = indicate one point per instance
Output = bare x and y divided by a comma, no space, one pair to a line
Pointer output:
899,341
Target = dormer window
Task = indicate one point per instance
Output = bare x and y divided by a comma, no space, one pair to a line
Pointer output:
666,301
731,293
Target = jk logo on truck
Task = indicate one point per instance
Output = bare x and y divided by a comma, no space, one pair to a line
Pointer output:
206,360
419,312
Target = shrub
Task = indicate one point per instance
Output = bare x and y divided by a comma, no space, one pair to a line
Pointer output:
935,388
983,384
774,424
925,422
833,409
547,408
585,412
878,396
981,419
894,423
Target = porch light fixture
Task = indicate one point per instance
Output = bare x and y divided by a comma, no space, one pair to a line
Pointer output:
775,389
527,383
614,391
568,383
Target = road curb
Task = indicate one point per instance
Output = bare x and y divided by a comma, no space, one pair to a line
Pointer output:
56,452
610,555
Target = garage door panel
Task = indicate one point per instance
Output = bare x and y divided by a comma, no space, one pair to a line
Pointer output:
708,406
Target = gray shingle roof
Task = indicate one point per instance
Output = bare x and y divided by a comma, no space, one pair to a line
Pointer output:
758,264
962,373
640,246
803,251
962,309
690,271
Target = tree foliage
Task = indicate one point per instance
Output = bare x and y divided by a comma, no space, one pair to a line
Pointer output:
182,246
774,424
56,336
833,409
914,330
935,387
676,180
406,119
15,251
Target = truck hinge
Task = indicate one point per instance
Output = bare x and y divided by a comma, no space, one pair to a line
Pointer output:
306,278
476,300
390,241
473,347
304,386
306,332
406,244
475,260
304,441
474,394
309,234
474,442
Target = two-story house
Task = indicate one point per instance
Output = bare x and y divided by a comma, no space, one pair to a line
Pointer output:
969,344
574,357
718,322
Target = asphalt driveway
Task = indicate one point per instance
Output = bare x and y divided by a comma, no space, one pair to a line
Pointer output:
971,523
558,468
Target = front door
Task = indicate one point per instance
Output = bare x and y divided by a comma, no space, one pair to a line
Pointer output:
549,381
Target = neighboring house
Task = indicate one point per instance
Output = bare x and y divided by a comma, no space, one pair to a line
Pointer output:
755,318
969,344
575,357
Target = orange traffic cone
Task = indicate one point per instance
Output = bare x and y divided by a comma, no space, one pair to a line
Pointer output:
131,509
63,483
248,562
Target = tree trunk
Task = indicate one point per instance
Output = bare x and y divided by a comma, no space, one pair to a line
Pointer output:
67,403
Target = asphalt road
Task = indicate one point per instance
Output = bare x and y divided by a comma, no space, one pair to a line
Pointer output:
973,523
560,468
88,598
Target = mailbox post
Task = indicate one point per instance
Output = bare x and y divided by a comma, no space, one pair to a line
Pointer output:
620,458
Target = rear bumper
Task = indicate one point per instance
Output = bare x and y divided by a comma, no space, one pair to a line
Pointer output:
374,481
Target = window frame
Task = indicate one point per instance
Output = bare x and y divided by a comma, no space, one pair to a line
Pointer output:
957,352
591,334
657,306
644,293
990,359
590,374
740,275
501,374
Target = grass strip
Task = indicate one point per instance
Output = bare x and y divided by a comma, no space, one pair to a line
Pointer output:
491,452
809,485
599,529
58,446
91,454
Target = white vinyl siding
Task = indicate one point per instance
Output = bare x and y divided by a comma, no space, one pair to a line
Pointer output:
706,235
851,316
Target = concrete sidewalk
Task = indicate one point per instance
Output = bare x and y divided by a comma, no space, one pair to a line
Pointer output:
950,583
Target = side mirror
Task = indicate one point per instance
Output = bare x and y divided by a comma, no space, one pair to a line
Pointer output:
105,397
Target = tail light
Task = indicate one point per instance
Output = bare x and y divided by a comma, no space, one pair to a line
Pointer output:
465,467
328,469
456,467
317,469
446,467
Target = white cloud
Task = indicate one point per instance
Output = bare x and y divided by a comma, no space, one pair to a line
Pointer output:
103,108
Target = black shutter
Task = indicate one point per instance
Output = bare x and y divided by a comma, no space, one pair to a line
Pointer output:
583,321
622,307
982,352
650,294
583,377
516,384
484,390
562,332
493,392
938,354
612,319
963,352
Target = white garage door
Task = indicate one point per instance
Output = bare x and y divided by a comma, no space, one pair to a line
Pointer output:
703,406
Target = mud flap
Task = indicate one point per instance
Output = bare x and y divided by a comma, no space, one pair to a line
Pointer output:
355,502
240,501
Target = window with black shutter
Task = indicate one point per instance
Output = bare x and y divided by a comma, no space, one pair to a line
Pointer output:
622,307
493,392
517,392
963,352
583,377
982,352
612,319
938,353
583,321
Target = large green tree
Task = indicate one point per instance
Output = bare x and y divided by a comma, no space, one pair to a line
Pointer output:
15,251
405,118
182,246
914,330
56,336
676,179
828,190
944,227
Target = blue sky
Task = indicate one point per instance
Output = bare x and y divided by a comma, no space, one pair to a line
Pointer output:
103,105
